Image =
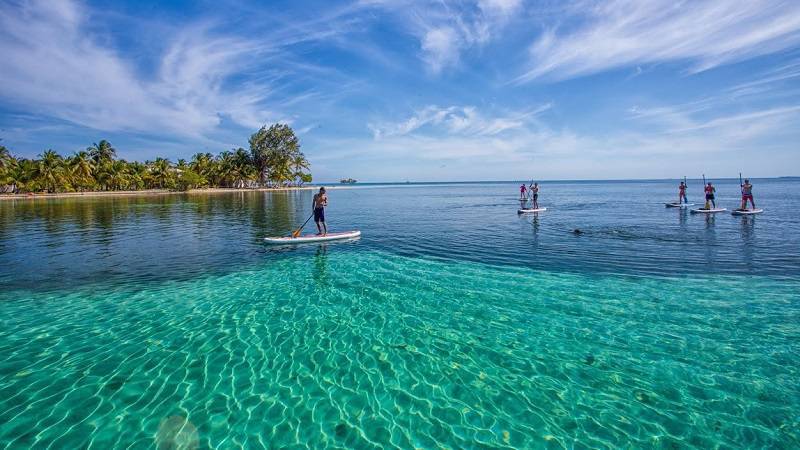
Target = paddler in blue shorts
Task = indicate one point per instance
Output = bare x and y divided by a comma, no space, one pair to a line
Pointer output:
320,202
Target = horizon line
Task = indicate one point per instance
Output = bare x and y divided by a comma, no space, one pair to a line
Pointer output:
330,183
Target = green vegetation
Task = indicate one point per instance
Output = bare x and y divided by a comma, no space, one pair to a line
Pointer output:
274,159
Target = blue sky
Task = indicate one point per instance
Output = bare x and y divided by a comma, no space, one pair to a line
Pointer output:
415,90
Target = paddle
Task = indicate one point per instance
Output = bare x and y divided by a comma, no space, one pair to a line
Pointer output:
707,206
741,189
296,232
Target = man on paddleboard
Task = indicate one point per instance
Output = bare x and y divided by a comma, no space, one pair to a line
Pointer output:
535,195
682,193
710,190
320,202
747,194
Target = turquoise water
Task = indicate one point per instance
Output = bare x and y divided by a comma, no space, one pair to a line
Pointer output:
211,340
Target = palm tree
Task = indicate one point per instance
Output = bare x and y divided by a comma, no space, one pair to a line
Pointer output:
299,163
245,168
139,176
225,169
5,158
50,171
161,171
102,152
204,165
22,175
8,165
81,168
118,175
102,174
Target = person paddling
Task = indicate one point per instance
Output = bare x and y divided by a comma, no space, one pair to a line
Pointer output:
320,202
535,195
522,190
682,193
710,190
747,194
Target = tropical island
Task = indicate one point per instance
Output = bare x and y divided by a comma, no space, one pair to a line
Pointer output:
348,181
274,160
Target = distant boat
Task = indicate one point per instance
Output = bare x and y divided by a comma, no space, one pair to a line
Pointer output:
348,181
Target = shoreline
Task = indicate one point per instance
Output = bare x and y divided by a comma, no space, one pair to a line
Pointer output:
145,193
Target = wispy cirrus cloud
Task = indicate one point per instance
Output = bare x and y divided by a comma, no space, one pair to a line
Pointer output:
773,81
704,34
203,76
447,29
758,106
719,131
457,120
62,71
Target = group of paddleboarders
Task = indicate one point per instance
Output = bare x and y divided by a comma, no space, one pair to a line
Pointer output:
710,191
531,192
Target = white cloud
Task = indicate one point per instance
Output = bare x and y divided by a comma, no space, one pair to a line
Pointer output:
441,47
502,8
61,71
446,30
457,120
61,68
772,80
703,33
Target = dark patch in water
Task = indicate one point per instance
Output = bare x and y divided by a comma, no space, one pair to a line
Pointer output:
589,360
115,383
341,430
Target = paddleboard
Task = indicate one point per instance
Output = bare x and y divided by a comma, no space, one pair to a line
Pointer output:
312,238
530,211
679,205
746,212
708,211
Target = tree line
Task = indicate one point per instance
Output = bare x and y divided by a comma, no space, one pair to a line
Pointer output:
274,159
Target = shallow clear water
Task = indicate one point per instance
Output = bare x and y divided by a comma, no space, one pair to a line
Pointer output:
164,321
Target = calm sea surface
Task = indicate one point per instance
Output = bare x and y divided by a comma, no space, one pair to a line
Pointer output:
165,322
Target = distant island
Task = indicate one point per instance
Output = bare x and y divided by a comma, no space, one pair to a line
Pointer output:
348,181
274,160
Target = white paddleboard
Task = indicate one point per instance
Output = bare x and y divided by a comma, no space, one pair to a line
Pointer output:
679,205
709,211
746,212
529,211
312,238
